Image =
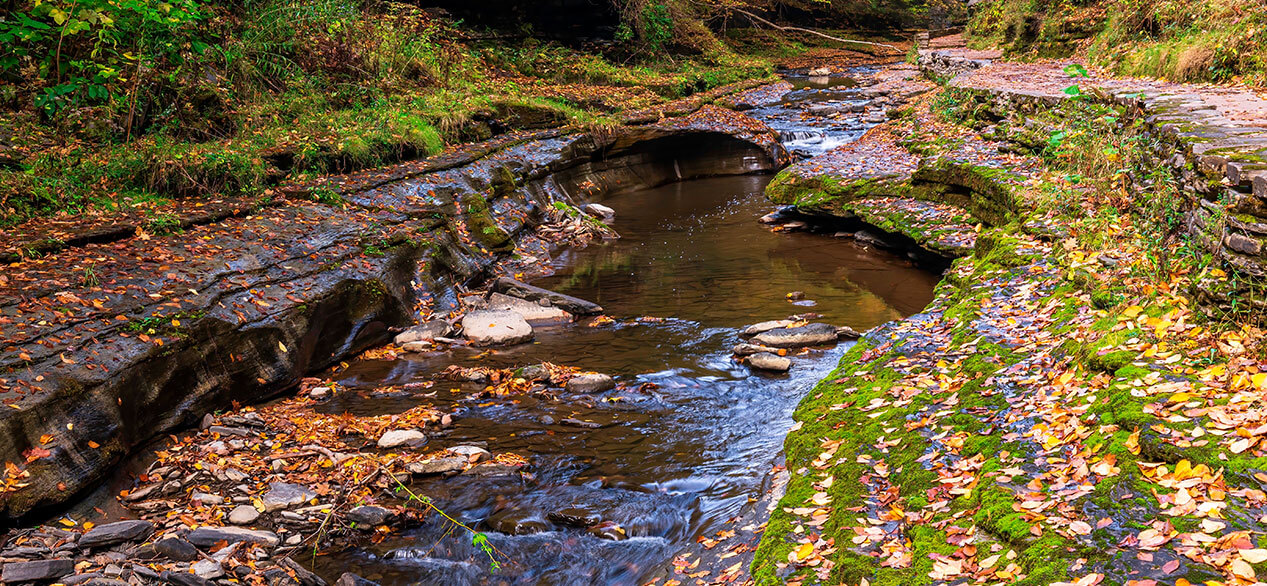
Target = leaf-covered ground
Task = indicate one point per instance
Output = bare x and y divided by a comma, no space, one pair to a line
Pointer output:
1028,429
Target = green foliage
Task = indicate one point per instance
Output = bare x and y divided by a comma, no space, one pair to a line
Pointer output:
84,49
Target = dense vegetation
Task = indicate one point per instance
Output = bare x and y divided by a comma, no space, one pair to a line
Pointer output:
1218,41
122,103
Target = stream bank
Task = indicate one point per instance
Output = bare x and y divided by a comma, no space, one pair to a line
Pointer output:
1063,412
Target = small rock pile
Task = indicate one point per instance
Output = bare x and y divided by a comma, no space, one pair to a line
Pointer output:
770,341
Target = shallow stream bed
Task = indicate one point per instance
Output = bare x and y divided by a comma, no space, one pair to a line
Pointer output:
689,437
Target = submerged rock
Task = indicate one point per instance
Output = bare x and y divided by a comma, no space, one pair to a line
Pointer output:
489,327
768,361
575,517
806,335
517,523
590,383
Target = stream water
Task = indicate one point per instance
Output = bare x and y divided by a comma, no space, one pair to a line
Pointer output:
667,462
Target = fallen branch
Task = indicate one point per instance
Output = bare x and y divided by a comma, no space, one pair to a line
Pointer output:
812,32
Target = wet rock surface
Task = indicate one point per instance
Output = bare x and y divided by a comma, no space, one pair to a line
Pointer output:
493,327
798,336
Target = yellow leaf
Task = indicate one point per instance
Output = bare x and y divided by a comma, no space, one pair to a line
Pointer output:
1132,311
803,552
282,346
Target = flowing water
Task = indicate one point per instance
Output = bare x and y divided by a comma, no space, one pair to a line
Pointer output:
666,462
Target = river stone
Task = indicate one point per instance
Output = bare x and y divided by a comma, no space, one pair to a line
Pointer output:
819,72
175,548
574,517
306,578
750,349
806,335
209,536
768,361
590,383
207,569
533,373
438,466
490,327
282,495
424,332
847,333
766,326
37,571
517,523
402,437
350,579
369,515
115,533
529,310
600,211
609,530
244,515
567,303
471,453
184,578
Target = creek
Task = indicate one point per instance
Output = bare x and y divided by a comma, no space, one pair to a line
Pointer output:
698,433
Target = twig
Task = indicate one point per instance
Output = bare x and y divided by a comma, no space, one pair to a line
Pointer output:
812,32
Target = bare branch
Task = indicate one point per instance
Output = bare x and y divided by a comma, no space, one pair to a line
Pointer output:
812,32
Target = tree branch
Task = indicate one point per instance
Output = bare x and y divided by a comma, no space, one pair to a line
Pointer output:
812,32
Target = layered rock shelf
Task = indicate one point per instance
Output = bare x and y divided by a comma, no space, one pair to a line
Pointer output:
1213,138
110,340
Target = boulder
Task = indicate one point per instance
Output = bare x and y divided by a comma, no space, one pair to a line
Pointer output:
282,495
402,437
487,327
244,515
37,571
590,383
567,303
369,515
438,466
116,533
205,537
424,332
750,349
806,335
766,326
768,361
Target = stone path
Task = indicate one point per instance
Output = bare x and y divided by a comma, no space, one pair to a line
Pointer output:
1215,137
